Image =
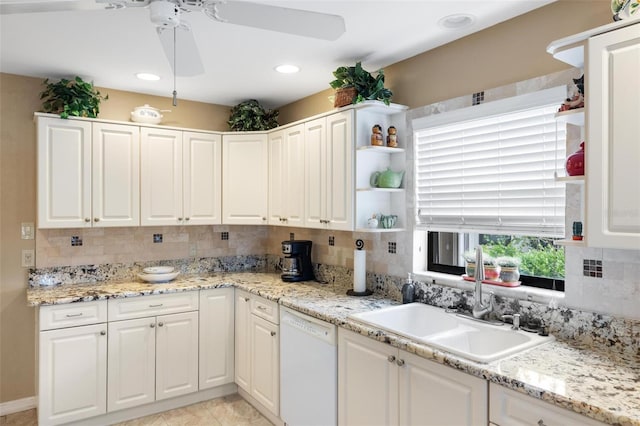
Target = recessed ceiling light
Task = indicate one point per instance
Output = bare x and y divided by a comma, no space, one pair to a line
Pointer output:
458,20
147,76
287,69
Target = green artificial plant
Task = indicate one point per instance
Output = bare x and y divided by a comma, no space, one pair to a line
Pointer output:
75,97
250,115
367,86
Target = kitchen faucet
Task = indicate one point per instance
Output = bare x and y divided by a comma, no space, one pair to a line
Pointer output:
479,310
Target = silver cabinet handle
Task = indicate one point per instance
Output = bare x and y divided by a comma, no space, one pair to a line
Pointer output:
156,306
74,315
391,358
103,333
160,324
262,308
400,362
179,218
541,423
96,219
273,333
152,325
86,219
246,299
187,218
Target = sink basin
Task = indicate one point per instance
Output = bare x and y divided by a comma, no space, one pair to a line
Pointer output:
413,320
461,336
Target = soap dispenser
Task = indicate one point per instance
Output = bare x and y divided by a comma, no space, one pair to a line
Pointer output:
408,290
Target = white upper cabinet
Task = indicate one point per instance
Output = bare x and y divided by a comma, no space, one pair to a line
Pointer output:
613,134
161,177
202,189
64,173
88,174
245,179
329,172
116,175
286,176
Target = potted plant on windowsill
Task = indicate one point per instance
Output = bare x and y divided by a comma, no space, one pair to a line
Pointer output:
470,263
509,269
355,84
75,97
491,268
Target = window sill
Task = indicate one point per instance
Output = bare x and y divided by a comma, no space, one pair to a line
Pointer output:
530,294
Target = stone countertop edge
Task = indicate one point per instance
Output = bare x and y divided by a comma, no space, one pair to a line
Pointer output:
556,372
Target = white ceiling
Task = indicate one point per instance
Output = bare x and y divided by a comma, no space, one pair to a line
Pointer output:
110,46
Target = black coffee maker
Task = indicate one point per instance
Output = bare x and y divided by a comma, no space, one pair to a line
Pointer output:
296,263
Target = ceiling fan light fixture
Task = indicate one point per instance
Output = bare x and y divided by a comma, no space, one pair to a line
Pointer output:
287,69
456,21
147,76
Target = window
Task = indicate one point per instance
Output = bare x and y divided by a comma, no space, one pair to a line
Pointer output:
486,175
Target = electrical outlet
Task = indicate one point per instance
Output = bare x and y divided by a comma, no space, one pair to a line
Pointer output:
28,258
26,230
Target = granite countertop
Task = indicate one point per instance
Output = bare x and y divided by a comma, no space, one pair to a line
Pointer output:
598,384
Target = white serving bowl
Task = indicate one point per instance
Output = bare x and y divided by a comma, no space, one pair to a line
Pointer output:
158,270
158,278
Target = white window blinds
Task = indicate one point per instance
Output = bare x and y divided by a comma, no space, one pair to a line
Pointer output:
491,167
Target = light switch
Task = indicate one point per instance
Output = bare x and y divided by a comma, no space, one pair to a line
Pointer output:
27,230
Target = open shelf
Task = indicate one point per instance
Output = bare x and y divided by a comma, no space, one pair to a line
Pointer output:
572,116
570,243
571,179
380,149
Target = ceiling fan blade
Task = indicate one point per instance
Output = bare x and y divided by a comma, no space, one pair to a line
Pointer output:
8,7
281,19
188,62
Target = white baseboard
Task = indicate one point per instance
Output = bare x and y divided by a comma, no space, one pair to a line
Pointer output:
17,405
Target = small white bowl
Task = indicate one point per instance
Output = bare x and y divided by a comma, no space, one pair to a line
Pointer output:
158,278
158,270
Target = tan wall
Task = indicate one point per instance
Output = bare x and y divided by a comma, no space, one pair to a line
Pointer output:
19,98
509,52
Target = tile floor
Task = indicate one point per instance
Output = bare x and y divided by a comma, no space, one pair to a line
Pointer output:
231,410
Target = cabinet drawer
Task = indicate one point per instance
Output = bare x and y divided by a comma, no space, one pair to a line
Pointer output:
510,408
146,306
73,314
266,309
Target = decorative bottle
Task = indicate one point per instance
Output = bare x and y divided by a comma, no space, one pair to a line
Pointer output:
408,290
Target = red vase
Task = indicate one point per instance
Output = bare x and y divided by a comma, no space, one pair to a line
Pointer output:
575,162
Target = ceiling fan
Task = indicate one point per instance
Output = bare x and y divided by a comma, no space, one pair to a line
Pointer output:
175,33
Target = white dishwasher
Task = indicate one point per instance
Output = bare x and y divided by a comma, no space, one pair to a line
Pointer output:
308,370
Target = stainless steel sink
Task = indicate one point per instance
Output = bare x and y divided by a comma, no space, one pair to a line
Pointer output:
464,337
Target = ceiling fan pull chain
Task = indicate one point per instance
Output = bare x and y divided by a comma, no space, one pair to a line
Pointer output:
175,93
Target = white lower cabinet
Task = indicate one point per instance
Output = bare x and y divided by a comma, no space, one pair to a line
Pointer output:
216,337
511,408
382,385
257,347
152,359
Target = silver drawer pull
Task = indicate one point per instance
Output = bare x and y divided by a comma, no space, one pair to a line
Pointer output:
152,325
400,362
262,308
246,299
156,306
273,333
160,324
541,423
103,333
74,315
391,358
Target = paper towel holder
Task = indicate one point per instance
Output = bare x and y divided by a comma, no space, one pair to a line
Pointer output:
351,292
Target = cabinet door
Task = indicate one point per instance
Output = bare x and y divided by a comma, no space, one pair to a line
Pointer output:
160,177
202,155
64,173
434,394
72,374
245,179
315,175
613,132
132,363
277,179
265,363
340,168
294,161
367,381
216,337
511,408
176,354
115,175
242,340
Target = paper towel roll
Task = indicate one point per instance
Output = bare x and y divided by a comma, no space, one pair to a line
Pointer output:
359,271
